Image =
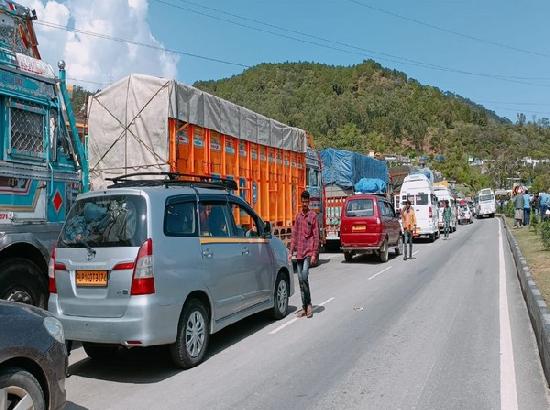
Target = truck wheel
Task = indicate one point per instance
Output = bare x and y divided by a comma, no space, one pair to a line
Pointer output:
383,252
348,256
22,281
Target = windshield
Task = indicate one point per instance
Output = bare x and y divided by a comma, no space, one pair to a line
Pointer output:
105,221
486,198
360,207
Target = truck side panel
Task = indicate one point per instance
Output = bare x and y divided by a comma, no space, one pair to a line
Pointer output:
269,179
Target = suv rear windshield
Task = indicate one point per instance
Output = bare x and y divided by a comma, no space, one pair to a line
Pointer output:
105,221
360,207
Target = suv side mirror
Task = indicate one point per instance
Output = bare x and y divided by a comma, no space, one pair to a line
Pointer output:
267,229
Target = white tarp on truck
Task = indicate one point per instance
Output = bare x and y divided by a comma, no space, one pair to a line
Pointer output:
128,125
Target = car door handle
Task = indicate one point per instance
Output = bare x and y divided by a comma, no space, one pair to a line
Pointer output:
245,251
207,253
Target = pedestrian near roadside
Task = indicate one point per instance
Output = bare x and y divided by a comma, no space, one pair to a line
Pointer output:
526,207
518,206
408,218
535,205
304,246
447,214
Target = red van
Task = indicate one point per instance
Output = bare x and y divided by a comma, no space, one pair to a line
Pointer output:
369,224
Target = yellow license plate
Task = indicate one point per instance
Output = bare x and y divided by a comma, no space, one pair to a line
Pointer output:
358,228
91,278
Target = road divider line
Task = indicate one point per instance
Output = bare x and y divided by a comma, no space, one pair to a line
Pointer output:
415,252
278,329
291,321
381,272
508,387
326,301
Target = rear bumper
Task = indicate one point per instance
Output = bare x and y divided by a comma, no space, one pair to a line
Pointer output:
144,321
371,245
361,249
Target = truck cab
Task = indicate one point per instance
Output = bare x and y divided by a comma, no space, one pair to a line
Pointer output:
40,159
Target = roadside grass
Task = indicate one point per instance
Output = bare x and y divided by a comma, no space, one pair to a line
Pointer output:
537,257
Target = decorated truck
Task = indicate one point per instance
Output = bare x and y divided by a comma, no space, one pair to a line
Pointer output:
149,124
42,161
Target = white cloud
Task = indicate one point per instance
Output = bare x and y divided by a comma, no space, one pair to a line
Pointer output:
93,59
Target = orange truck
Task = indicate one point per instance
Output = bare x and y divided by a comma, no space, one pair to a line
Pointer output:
144,123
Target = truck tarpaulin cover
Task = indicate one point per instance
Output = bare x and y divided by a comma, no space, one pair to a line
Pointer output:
346,168
128,125
370,186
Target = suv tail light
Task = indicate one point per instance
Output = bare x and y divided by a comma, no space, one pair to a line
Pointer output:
430,212
143,280
52,267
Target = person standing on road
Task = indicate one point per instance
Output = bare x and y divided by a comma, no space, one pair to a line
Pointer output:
518,206
408,218
535,205
447,215
304,246
526,207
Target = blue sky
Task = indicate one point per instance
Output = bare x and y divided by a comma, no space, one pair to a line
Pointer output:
524,26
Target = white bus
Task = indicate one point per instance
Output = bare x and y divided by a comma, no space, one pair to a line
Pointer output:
485,203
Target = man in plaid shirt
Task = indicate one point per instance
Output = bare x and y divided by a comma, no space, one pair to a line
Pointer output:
303,248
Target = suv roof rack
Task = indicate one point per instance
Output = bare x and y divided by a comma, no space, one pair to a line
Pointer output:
172,178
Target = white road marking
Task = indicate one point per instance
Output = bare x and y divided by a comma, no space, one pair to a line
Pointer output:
326,301
291,321
283,326
415,252
381,272
508,388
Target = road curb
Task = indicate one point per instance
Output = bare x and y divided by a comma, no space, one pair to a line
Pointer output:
536,306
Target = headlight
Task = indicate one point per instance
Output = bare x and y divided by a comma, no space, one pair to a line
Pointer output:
54,328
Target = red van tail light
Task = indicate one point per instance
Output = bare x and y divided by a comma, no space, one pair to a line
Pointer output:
143,280
430,212
52,267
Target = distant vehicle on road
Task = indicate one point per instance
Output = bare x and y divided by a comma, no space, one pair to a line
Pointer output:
465,214
33,359
370,225
164,262
418,189
485,203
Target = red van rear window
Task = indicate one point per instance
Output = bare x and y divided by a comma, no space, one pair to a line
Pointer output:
360,207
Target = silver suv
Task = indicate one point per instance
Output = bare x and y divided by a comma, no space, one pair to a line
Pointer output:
170,261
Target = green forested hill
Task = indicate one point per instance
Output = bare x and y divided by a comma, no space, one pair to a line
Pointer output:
367,107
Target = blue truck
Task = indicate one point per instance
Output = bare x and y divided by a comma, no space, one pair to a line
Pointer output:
43,162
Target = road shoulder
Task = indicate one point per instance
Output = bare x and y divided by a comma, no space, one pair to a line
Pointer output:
536,306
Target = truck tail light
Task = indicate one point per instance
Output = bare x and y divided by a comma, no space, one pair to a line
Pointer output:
143,280
52,267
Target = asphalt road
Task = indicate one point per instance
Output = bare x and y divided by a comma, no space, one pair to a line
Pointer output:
446,330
